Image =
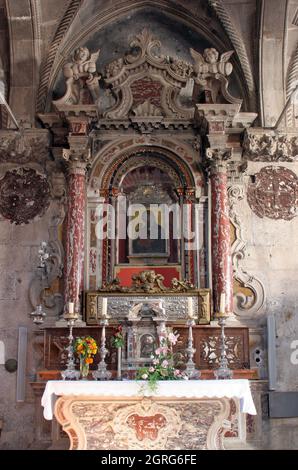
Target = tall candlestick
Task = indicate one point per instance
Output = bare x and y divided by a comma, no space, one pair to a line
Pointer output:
222,307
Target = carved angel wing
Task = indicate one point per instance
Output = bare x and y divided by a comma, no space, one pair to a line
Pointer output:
94,56
197,57
225,56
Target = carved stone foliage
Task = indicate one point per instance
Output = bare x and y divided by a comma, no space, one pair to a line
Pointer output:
23,147
270,147
24,195
249,292
274,193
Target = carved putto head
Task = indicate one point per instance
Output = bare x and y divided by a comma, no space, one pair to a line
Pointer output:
81,54
211,55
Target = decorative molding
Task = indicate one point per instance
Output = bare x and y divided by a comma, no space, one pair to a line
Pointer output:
270,147
292,78
239,45
68,17
246,304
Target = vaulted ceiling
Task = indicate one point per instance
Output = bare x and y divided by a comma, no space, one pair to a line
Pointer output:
37,38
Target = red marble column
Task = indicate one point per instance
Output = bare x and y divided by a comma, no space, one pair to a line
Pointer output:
75,228
222,271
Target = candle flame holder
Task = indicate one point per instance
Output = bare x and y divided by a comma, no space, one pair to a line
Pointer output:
102,373
70,373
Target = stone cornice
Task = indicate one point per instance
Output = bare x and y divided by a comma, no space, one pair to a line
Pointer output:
265,145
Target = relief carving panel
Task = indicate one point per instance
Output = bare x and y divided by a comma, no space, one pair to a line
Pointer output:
274,193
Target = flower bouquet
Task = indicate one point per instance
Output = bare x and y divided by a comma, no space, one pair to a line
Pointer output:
117,339
85,348
162,367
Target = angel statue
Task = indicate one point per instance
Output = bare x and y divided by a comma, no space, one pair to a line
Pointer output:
211,72
81,76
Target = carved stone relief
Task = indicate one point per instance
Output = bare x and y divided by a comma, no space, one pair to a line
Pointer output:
270,147
24,195
24,146
274,193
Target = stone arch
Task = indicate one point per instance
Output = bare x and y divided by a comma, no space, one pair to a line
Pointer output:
64,44
180,158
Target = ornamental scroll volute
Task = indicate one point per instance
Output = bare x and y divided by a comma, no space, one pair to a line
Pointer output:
147,84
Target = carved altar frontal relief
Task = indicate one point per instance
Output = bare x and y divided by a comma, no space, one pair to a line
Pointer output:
274,193
144,423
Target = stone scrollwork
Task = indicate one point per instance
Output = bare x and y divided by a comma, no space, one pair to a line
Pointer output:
249,296
41,289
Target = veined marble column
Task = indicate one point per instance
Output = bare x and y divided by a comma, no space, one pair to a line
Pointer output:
75,228
222,271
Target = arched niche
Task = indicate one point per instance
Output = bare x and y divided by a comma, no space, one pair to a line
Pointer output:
170,181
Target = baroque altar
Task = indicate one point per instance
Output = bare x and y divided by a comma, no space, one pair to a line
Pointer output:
100,416
147,133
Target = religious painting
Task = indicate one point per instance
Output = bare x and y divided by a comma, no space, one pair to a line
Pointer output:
147,346
151,234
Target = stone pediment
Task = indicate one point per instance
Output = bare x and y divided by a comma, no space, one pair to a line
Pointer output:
147,84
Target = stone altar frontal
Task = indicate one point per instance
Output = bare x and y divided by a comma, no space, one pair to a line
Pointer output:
178,415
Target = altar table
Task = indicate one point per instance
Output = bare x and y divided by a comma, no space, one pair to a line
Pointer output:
123,415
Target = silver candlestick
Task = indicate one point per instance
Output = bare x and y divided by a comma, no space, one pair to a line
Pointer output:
191,370
102,373
223,372
70,372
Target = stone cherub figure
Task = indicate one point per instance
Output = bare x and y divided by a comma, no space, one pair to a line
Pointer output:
81,72
211,72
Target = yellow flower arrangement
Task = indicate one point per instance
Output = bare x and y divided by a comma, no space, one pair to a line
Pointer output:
85,348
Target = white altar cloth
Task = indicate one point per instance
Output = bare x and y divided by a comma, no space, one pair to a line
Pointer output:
166,388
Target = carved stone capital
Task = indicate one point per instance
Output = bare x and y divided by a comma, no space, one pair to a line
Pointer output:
216,160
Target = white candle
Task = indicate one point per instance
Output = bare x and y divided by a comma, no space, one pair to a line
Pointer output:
190,307
104,307
222,307
70,307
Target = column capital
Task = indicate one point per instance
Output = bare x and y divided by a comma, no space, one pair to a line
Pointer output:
217,158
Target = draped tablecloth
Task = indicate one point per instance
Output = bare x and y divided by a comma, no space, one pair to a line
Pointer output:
165,388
